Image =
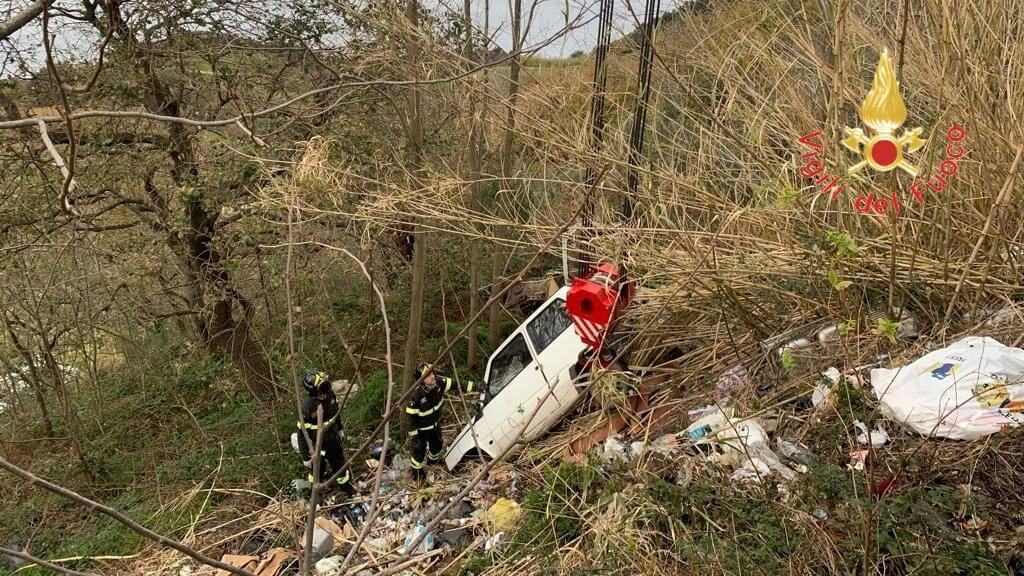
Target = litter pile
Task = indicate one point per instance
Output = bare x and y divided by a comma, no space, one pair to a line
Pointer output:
481,520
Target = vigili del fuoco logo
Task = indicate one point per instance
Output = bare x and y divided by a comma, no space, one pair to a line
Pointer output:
883,148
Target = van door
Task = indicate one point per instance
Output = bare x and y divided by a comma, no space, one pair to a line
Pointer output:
509,375
556,347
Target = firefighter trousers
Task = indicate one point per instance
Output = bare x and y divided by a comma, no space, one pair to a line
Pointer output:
427,446
332,459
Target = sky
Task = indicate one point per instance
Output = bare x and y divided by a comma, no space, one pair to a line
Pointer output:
549,17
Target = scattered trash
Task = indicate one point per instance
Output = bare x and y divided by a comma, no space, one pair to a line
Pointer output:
426,544
828,334
502,515
711,421
794,345
323,541
328,565
375,453
663,445
301,487
295,441
463,509
752,470
858,458
973,524
820,513
492,542
185,570
822,394
238,561
907,324
698,413
613,450
732,379
455,536
737,441
884,486
337,533
274,561
795,452
876,437
965,391
1001,317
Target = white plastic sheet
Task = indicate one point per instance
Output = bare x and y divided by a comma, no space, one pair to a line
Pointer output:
965,391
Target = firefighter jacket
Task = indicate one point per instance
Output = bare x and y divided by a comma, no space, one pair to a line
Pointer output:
424,408
307,421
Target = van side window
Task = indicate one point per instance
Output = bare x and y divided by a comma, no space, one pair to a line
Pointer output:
548,325
507,364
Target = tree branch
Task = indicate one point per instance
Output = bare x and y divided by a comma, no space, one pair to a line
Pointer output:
72,184
42,563
131,524
19,20
277,107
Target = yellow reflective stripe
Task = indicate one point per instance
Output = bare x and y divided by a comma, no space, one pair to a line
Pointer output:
448,384
470,385
416,464
307,426
310,479
431,427
344,479
413,432
411,410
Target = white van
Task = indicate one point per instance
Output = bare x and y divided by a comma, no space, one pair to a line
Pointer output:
534,365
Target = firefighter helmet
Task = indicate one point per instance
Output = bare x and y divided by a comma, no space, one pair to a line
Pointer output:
422,369
316,383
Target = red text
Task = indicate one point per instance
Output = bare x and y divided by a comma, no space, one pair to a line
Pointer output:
947,169
814,169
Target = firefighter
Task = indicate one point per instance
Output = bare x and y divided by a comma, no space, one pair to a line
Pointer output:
424,412
332,455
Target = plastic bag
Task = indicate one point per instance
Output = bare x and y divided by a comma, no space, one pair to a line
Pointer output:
965,391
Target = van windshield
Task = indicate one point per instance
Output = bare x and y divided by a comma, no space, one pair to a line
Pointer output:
548,325
507,364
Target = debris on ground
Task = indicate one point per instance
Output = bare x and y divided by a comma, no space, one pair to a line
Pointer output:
338,534
965,391
794,345
426,543
328,565
794,452
614,451
735,378
822,393
502,515
323,541
492,542
876,437
238,561
739,442
858,459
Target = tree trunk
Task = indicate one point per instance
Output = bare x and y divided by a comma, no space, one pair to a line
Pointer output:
498,256
34,382
412,339
475,152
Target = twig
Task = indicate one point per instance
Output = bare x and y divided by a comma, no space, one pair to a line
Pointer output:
68,177
131,524
42,563
19,20
1004,194
338,86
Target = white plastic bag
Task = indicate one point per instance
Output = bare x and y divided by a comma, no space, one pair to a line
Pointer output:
965,391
